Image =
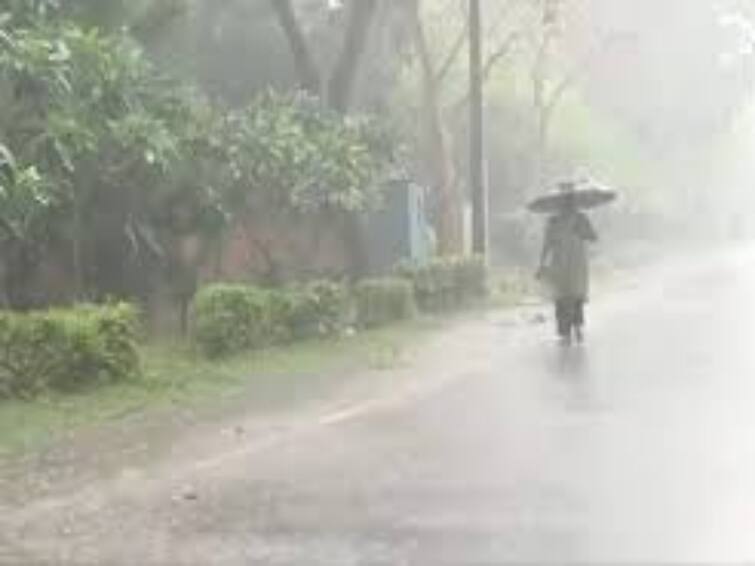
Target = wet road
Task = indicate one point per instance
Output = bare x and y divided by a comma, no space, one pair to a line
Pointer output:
637,447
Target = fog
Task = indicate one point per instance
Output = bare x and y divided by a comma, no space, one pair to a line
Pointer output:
361,282
659,105
653,99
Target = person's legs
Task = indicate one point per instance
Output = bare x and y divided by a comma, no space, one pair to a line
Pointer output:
578,318
563,318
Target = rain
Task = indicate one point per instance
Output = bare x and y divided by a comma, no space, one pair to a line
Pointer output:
377,282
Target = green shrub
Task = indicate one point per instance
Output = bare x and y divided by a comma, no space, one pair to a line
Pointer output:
380,301
231,318
433,282
67,349
316,309
228,319
446,283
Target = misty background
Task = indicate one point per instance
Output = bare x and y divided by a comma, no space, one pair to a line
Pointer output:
653,99
658,103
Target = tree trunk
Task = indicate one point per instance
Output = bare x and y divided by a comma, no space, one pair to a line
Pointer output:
539,104
543,146
306,69
341,83
76,248
356,247
449,222
21,264
340,96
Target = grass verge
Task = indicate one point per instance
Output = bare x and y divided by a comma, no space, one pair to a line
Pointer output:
175,376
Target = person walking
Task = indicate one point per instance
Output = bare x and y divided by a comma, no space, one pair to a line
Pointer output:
564,262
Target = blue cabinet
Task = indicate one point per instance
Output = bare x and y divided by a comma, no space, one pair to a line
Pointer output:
400,229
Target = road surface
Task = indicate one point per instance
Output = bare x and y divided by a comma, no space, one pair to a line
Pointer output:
637,447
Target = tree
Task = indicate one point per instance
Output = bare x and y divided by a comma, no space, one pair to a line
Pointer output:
121,168
291,158
564,48
95,119
23,12
441,107
28,203
335,86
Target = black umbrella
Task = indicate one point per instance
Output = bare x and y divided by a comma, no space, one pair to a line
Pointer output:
567,195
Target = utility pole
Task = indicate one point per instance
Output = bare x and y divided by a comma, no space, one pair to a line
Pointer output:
477,151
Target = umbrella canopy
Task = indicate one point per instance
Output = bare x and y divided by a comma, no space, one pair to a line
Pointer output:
568,195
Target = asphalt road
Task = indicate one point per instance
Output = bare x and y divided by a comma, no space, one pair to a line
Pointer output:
637,447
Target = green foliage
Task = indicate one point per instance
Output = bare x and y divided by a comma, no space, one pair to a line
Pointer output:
27,201
29,207
232,318
117,164
97,132
24,12
289,152
103,141
316,309
67,350
446,283
384,300
146,19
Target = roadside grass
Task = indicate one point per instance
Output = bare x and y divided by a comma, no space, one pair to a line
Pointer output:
177,377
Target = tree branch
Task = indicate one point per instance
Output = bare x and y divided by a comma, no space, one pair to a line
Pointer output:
502,52
453,54
488,66
306,70
341,84
461,41
555,96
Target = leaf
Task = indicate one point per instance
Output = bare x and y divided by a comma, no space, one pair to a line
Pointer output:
7,40
60,53
7,163
64,156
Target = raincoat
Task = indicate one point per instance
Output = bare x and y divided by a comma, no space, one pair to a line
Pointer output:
565,254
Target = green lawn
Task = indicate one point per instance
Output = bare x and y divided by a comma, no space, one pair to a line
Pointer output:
174,376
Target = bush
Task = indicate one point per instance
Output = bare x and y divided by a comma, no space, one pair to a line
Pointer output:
380,301
67,349
316,309
446,283
231,318
433,284
228,319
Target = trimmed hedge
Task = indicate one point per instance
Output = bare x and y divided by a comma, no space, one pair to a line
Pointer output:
229,318
67,349
232,318
381,301
446,283
316,309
